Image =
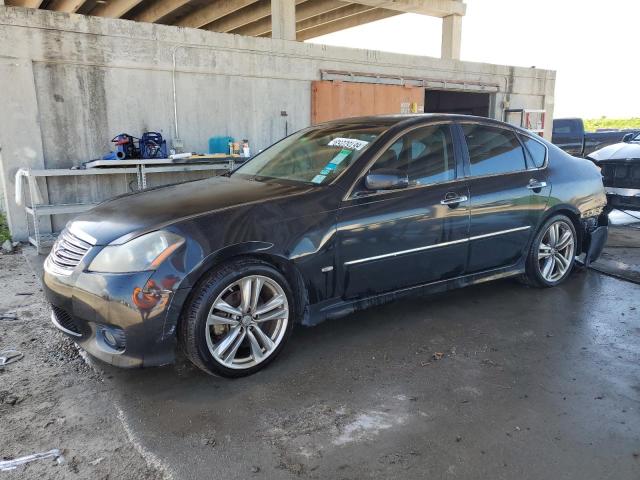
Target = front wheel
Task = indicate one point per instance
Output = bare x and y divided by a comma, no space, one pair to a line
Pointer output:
239,319
552,253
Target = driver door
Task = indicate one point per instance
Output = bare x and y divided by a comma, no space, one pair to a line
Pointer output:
394,239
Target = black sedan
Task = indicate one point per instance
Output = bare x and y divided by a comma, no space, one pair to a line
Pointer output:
620,164
334,218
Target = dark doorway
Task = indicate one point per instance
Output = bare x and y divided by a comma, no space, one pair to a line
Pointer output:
465,103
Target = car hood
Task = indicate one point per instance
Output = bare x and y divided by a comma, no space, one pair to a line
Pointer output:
617,151
128,215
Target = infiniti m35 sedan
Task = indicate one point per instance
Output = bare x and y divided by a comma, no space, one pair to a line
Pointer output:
334,218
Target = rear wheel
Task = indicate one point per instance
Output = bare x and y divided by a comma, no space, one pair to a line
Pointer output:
552,254
239,319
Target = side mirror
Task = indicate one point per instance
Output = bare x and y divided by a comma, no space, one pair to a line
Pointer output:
386,179
628,137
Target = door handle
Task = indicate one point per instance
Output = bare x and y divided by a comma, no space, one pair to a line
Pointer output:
454,199
535,184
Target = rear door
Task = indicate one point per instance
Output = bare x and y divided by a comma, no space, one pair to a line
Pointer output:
388,240
508,194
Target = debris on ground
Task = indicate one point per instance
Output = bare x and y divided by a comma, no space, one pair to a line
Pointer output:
7,246
9,398
437,356
10,356
209,441
56,454
52,397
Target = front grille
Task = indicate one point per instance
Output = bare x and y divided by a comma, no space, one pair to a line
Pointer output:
65,320
68,251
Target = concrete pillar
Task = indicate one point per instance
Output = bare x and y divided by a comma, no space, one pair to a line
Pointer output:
283,19
451,37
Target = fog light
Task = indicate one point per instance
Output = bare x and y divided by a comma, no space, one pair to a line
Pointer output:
112,337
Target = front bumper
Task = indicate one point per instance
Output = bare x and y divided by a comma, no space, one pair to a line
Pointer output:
86,305
595,234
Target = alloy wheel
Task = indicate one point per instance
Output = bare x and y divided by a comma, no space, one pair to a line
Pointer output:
556,251
247,322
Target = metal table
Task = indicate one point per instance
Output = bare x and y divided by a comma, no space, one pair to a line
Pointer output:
140,168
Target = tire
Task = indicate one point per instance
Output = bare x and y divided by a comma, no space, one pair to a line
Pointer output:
240,338
549,264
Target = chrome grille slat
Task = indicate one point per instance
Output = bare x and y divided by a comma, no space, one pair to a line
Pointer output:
71,238
68,251
71,248
69,255
63,262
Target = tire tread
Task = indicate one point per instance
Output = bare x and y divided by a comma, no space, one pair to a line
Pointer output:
187,332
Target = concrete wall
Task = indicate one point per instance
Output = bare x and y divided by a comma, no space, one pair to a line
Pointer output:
69,83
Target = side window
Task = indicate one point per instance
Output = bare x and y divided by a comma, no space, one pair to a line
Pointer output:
537,151
424,154
493,150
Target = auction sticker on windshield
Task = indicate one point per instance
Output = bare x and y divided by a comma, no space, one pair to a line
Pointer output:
350,143
332,165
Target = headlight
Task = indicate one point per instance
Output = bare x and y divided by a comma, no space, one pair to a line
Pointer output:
140,254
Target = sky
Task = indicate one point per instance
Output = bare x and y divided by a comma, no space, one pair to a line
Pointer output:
593,45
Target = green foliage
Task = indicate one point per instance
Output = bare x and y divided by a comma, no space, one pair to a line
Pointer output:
618,123
4,230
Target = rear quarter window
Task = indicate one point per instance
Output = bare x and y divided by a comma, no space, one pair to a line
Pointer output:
536,150
493,150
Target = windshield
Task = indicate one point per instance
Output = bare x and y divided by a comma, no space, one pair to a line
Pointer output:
314,155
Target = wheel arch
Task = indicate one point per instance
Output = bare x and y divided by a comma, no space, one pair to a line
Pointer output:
571,212
249,250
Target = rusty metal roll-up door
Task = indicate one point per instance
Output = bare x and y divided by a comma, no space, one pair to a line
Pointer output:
331,100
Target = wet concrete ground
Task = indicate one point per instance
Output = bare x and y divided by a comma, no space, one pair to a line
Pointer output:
621,257
493,381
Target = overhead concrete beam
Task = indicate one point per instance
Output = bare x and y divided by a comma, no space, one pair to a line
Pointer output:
345,12
159,9
86,7
314,8
24,3
432,8
114,8
344,23
212,12
256,29
451,37
68,6
304,11
283,19
246,16
258,11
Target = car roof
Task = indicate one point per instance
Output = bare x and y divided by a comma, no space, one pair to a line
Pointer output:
409,119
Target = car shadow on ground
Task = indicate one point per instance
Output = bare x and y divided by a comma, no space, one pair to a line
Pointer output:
404,335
